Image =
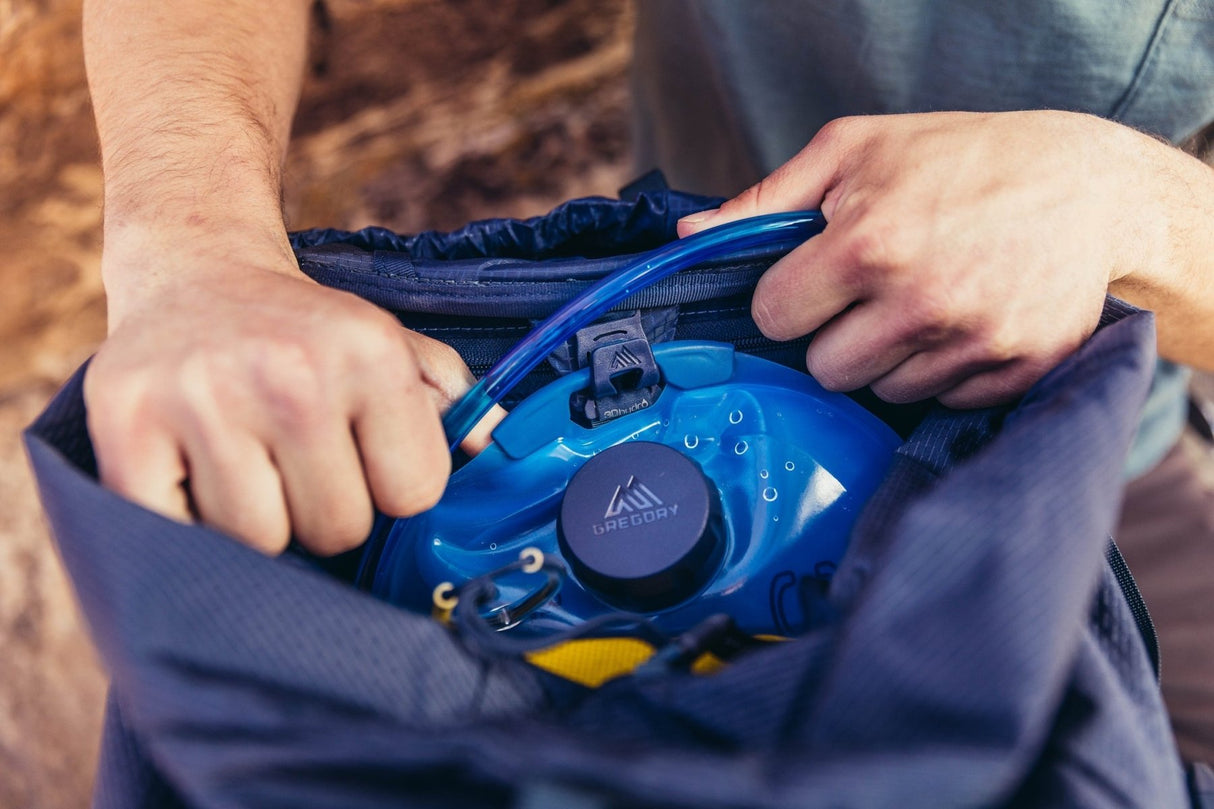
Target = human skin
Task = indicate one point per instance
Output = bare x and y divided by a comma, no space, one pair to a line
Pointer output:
966,254
232,389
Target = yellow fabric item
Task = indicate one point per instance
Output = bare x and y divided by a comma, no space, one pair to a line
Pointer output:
707,664
592,661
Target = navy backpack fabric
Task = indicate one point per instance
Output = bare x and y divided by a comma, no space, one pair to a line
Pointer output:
975,648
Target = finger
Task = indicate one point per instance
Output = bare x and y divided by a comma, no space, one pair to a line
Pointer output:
863,344
404,452
444,372
145,467
800,183
326,490
994,387
805,289
441,369
933,373
236,488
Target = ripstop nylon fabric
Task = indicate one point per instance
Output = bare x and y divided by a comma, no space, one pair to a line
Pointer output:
974,650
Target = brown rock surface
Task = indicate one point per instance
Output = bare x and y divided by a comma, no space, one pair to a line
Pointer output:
418,114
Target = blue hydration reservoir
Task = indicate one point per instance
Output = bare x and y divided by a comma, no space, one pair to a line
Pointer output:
732,492
729,486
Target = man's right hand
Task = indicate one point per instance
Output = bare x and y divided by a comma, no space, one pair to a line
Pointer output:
233,389
236,391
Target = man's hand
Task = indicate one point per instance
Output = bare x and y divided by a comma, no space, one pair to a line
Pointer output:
232,389
236,391
967,254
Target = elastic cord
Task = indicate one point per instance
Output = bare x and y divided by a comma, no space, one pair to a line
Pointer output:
481,637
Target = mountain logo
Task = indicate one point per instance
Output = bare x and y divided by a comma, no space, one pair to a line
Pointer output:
633,496
624,359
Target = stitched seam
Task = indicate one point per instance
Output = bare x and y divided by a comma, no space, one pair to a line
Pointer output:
732,310
319,266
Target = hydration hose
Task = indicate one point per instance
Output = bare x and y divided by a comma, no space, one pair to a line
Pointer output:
787,230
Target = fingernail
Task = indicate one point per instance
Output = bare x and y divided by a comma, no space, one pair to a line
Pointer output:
693,223
697,218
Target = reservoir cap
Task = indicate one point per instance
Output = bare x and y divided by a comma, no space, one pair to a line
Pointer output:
641,525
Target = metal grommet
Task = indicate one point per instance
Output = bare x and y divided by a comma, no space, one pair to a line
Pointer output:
532,559
443,596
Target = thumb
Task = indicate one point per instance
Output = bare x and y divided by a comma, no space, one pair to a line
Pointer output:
799,184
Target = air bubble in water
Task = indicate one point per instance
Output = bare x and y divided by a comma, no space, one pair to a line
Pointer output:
775,517
770,494
741,447
492,546
789,465
735,417
763,474
691,441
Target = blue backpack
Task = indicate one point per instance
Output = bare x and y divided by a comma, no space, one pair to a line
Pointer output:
981,643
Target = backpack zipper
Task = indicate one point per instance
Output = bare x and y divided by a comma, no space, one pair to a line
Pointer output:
1138,607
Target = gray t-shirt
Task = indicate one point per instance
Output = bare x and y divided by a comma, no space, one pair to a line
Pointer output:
727,90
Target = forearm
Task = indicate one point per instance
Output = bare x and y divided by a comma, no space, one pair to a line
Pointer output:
1174,276
193,102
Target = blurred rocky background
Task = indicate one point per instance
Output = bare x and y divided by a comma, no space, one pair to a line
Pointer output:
416,114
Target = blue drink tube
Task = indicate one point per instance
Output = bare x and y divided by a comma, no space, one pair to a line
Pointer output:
785,230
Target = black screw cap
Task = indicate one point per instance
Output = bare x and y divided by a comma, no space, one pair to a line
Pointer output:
641,525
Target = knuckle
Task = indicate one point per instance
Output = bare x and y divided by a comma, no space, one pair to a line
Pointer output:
834,131
270,543
440,365
383,341
114,386
345,529
997,343
120,423
763,193
205,381
896,391
427,495
775,192
420,492
745,203
258,528
766,313
113,405
428,489
875,246
290,382
445,354
931,314
768,323
847,137
826,368
385,350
